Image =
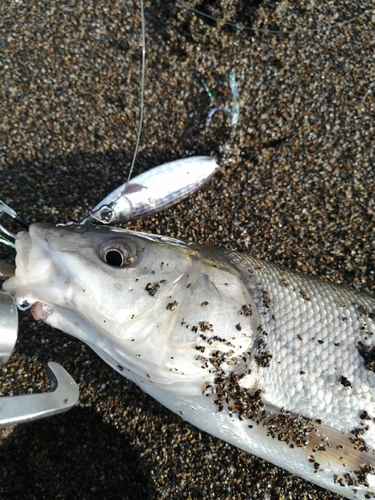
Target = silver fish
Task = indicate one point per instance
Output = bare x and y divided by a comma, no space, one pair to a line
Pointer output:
277,363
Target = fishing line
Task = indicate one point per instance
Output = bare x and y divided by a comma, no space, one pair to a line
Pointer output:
240,27
142,95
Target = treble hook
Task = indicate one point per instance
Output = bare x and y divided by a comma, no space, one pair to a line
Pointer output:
6,236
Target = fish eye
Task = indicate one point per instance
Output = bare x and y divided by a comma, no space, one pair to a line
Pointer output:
119,253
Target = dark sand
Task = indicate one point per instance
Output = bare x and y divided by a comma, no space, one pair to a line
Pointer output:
296,187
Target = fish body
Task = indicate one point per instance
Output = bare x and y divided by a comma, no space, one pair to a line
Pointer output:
277,363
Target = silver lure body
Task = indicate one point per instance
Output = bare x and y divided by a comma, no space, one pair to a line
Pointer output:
274,362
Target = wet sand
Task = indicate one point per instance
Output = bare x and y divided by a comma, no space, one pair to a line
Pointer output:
296,187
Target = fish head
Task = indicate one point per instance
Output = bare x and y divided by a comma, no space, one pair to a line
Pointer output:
152,307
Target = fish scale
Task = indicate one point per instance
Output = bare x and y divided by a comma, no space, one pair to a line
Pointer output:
315,343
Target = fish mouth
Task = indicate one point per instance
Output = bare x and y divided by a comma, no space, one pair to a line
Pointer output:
33,257
34,266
